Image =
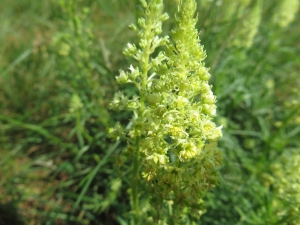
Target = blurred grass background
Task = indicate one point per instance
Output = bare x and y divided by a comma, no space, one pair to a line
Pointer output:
58,61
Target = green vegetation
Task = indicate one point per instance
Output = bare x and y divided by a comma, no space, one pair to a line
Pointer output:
59,164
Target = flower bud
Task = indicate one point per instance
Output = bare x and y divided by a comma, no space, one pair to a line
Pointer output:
122,78
130,50
141,22
144,3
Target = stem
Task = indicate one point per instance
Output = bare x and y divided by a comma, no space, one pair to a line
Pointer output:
136,159
135,184
144,65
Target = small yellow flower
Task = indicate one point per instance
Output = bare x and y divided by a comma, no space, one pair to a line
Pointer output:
189,151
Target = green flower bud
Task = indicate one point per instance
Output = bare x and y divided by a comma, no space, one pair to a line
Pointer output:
133,27
208,98
130,50
181,101
122,78
203,73
154,98
144,3
141,22
133,104
158,159
164,17
75,103
194,116
143,43
134,73
209,109
119,102
156,85
116,132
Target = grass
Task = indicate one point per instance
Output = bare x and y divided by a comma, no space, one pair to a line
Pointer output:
57,69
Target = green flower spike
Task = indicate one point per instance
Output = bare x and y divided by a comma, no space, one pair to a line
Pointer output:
243,38
285,12
172,140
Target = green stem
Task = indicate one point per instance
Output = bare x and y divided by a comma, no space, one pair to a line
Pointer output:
144,65
135,185
136,160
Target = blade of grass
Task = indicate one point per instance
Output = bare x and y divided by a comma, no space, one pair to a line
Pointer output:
36,128
93,173
18,60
